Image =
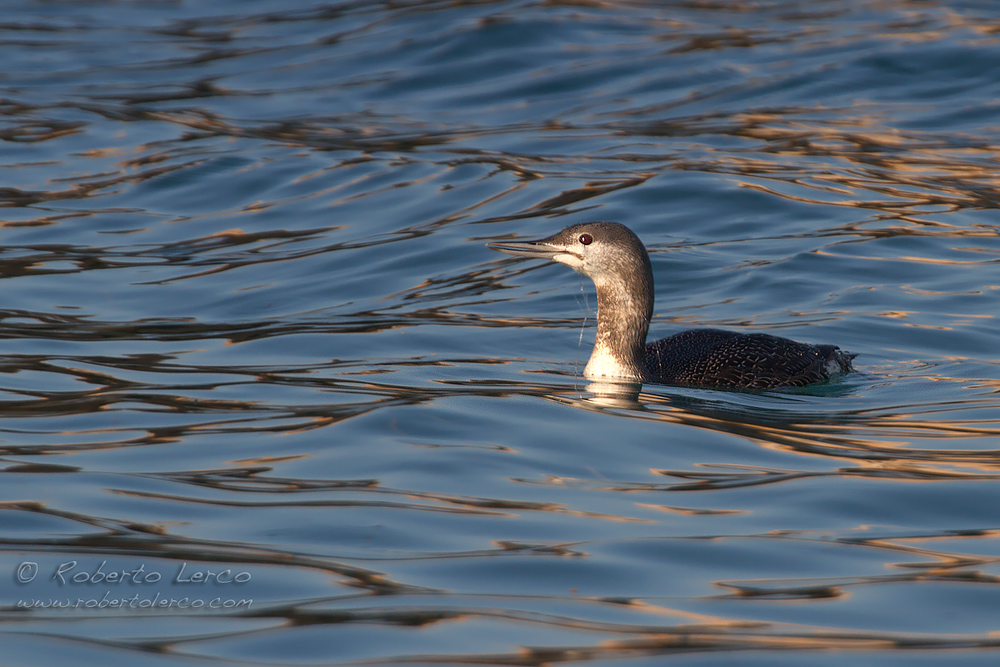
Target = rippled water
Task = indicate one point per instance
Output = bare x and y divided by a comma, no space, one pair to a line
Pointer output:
268,399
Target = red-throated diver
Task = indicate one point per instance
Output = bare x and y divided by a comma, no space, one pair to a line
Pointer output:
613,257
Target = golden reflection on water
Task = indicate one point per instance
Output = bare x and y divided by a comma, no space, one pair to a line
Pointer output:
388,602
122,184
385,600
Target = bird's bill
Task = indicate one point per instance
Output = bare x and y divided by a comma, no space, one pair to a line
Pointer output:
532,249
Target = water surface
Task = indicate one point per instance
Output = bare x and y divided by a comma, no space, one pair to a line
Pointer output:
253,343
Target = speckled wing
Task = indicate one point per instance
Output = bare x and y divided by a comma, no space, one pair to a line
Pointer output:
717,358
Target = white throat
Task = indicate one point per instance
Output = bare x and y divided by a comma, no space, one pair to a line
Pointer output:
604,364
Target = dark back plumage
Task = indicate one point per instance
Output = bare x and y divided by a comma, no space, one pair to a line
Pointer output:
718,358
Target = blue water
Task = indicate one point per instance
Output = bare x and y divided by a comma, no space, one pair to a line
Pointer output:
268,399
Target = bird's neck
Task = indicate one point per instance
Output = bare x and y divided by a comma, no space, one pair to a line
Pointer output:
623,311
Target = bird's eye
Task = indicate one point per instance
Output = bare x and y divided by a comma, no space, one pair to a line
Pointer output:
586,239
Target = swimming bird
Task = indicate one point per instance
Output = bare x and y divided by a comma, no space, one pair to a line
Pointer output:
613,257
